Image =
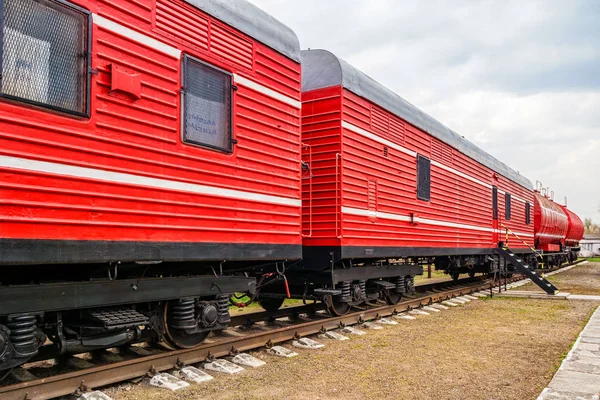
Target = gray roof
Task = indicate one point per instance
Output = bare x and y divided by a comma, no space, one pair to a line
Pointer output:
321,69
254,22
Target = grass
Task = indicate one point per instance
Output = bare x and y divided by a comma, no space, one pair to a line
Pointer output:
583,279
252,307
594,259
501,348
435,275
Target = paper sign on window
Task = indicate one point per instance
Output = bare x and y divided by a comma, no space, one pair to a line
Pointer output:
26,66
207,122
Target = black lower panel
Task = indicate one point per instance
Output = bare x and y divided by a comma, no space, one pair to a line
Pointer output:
78,295
32,251
317,258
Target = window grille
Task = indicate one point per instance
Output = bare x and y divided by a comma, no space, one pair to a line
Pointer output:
45,54
507,206
494,202
528,213
207,106
423,178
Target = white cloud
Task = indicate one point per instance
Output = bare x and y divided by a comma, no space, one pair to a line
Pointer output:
520,79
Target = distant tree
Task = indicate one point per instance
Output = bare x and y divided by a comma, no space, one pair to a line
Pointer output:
590,226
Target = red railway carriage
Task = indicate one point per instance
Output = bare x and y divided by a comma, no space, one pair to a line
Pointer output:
179,127
149,150
389,181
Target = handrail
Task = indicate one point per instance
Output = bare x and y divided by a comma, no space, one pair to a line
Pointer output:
338,211
523,241
310,192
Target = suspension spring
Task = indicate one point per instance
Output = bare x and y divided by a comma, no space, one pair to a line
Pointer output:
346,291
184,314
363,289
23,334
223,304
400,287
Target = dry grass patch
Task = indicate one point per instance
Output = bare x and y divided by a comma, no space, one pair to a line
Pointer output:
583,279
488,349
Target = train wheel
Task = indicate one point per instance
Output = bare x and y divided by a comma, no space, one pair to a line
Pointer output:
471,274
337,308
179,338
392,297
454,275
271,305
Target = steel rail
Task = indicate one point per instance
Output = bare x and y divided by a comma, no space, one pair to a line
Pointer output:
98,376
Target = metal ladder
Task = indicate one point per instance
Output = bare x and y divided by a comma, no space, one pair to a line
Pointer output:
520,265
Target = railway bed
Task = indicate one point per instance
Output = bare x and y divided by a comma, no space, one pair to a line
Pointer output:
246,331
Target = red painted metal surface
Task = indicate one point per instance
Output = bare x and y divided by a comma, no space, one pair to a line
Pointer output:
364,190
136,130
551,223
575,230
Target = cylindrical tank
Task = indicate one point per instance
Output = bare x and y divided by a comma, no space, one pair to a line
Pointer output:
575,231
550,222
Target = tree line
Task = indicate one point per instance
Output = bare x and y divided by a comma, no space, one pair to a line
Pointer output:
590,226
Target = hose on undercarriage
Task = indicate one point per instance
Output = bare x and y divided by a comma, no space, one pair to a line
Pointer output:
259,286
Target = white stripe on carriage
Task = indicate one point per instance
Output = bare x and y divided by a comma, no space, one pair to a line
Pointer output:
136,36
402,149
377,138
130,179
406,218
266,91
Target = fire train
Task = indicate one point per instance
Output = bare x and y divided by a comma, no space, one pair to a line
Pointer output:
158,158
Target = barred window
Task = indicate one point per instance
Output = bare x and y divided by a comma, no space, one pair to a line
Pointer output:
494,202
507,206
528,213
207,106
44,54
423,178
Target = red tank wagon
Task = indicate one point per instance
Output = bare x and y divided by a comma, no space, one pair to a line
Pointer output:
153,140
388,181
575,231
551,224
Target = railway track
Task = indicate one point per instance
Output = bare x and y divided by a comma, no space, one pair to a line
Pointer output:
246,332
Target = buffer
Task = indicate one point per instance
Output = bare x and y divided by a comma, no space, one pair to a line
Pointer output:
520,265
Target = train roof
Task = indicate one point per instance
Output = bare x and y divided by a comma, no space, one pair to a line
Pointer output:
254,22
321,68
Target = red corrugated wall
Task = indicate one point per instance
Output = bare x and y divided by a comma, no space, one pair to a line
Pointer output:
375,191
142,138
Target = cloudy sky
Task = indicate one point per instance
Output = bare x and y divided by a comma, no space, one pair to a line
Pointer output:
521,79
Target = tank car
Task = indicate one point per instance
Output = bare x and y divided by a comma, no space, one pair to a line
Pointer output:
150,155
558,230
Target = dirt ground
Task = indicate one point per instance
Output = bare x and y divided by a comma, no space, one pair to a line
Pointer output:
583,279
487,349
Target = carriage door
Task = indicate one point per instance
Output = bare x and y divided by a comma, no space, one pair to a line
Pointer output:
495,222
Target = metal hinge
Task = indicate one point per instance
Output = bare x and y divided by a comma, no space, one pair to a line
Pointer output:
234,87
234,141
92,71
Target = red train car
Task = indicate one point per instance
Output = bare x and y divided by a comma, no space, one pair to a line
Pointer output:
156,140
388,181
